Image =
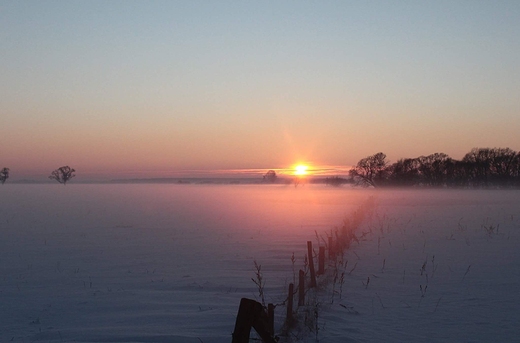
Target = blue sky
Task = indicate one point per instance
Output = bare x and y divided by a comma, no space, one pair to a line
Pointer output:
163,86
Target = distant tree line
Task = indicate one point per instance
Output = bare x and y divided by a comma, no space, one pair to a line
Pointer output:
479,168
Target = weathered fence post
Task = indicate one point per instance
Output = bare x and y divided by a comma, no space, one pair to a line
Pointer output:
270,318
321,261
301,288
311,264
290,304
251,314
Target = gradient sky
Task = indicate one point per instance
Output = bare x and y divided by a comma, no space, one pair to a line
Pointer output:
155,88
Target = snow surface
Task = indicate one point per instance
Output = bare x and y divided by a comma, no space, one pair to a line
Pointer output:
170,263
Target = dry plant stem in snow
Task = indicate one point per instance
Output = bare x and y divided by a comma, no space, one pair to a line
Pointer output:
423,268
491,230
434,266
350,272
341,282
423,290
380,301
437,305
423,293
334,281
466,273
366,284
259,282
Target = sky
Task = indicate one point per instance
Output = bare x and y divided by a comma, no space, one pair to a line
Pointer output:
166,88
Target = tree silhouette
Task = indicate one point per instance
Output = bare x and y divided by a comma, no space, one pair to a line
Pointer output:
62,174
480,161
434,169
459,174
480,168
270,176
4,175
370,171
492,167
502,165
404,172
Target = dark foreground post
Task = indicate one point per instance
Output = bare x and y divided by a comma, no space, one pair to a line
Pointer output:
321,261
311,264
251,314
290,304
270,317
301,288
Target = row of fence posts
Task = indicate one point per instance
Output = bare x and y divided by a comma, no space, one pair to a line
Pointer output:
251,313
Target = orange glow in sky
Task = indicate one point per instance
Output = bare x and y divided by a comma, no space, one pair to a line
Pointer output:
146,103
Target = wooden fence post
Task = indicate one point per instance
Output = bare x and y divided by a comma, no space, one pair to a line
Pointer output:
321,261
290,304
270,318
301,288
311,264
251,314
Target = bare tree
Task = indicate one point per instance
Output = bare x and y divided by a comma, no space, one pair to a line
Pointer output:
62,174
270,176
4,175
434,168
370,171
404,172
481,167
480,161
502,165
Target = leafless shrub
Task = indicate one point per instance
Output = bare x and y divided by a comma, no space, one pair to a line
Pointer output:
4,175
259,282
63,174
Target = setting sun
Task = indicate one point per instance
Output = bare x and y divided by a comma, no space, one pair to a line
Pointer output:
301,170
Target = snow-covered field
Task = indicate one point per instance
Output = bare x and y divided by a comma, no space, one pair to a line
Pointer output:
170,263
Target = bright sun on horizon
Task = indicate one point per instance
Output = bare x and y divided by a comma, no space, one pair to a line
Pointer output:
301,170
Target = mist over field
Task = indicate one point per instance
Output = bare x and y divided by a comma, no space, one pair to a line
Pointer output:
170,263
